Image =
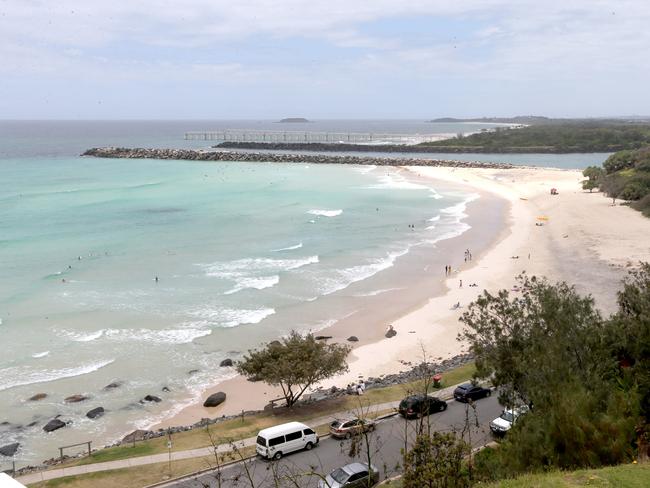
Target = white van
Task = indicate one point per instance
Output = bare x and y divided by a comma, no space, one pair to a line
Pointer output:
276,441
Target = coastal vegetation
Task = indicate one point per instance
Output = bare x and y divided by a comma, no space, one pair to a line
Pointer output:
585,378
625,175
294,364
554,137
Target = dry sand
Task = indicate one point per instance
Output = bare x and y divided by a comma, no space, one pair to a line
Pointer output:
585,240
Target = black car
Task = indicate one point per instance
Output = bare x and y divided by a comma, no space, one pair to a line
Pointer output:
420,405
468,391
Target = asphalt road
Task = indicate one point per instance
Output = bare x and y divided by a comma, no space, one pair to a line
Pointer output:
384,444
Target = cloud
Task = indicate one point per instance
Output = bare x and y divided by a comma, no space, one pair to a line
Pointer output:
328,42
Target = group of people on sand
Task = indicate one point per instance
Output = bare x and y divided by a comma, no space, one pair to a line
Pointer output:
468,255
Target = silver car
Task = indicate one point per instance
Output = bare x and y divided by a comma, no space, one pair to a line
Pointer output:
355,475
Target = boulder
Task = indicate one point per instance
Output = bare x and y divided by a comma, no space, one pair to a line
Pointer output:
113,385
193,371
152,398
75,399
391,332
95,413
166,389
322,337
215,399
53,425
9,450
225,363
37,397
137,435
353,339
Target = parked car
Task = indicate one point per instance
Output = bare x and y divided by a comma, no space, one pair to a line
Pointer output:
504,422
468,391
420,405
346,428
355,475
277,441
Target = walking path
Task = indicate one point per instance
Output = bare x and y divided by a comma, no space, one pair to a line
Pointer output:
445,394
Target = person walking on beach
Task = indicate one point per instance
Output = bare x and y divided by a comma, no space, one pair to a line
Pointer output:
461,284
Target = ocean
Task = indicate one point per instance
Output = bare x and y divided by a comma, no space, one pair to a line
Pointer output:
150,273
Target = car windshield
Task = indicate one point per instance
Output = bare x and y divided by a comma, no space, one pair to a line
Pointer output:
507,416
336,424
339,475
464,387
261,441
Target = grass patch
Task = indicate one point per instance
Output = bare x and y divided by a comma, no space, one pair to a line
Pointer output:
623,476
139,476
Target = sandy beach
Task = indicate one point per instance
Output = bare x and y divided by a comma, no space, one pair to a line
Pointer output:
583,239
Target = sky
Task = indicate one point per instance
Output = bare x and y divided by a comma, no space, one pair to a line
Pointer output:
359,59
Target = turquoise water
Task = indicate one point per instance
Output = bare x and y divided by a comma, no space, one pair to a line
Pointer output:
242,252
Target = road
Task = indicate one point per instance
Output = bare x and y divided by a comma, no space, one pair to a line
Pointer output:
385,445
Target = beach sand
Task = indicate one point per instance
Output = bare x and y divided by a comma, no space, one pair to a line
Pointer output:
584,240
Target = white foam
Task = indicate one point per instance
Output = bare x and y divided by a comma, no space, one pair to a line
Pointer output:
256,283
81,336
326,213
37,355
245,267
228,317
21,376
452,220
353,274
164,336
374,293
290,248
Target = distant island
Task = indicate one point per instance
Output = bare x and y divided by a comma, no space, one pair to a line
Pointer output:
293,120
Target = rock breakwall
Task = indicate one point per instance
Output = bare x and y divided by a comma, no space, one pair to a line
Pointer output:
253,157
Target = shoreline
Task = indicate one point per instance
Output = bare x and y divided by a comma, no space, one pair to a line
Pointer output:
388,308
594,260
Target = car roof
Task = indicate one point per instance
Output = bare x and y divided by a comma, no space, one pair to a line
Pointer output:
355,468
465,386
281,429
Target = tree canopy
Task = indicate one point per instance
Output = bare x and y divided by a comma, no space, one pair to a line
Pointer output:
586,379
294,363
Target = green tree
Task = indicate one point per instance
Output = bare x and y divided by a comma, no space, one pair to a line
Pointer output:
594,175
294,363
530,341
436,461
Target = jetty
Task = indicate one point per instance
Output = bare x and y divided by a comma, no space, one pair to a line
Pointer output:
244,135
253,157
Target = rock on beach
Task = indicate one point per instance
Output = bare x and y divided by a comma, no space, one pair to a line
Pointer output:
215,399
53,425
95,413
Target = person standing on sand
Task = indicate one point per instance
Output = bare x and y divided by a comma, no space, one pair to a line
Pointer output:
461,284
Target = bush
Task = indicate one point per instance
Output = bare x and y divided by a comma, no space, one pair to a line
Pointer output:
643,205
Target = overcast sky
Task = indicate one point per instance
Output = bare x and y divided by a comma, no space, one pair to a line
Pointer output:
180,59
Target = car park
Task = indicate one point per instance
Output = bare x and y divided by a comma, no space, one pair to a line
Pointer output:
346,428
504,422
469,391
355,475
275,442
420,405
